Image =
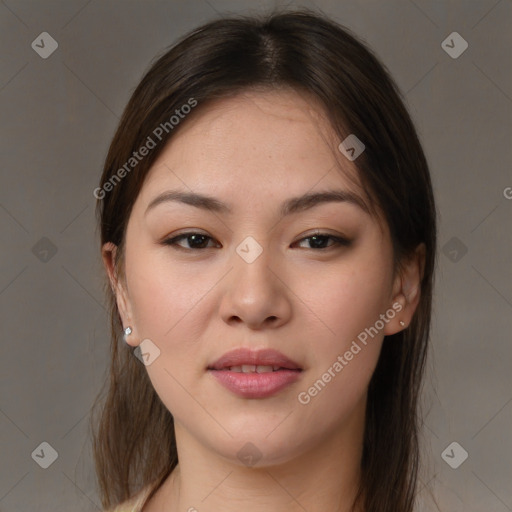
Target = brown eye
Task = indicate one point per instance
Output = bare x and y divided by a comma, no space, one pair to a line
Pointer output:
194,241
319,241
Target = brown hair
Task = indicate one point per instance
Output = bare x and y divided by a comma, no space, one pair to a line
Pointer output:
133,439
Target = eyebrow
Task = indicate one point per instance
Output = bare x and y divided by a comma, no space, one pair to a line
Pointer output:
290,206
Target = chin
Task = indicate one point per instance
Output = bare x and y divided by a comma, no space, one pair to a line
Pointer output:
259,446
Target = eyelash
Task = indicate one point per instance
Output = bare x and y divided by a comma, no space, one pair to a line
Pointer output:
338,241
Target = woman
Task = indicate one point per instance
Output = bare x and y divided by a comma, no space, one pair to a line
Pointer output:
268,228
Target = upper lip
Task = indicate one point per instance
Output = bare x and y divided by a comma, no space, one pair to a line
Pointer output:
245,356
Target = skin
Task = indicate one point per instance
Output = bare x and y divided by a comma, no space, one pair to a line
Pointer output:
253,152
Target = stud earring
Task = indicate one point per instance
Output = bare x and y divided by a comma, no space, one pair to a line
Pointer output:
402,323
127,332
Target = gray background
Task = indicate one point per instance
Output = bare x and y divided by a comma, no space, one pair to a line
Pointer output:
58,116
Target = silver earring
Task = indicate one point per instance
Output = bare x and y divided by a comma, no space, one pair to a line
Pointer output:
402,323
127,332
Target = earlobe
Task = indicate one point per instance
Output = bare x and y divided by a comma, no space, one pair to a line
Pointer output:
109,252
407,291
397,320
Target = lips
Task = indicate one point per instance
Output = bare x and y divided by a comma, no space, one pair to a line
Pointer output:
255,374
243,359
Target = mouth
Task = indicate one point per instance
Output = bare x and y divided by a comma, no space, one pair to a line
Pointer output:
253,368
255,374
245,360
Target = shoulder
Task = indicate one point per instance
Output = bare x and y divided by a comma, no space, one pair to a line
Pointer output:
134,504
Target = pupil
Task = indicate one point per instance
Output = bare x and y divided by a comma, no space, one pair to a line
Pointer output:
318,241
196,238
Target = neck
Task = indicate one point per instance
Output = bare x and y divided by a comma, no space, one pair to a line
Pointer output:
323,477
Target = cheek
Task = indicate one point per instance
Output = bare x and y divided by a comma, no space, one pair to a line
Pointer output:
346,355
166,304
347,302
164,298
331,397
344,300
170,309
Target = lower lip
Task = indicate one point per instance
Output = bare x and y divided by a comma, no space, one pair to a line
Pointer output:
256,385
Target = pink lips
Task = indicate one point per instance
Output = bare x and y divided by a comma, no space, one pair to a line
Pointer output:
255,385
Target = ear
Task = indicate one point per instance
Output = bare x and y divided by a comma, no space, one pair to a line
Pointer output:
109,254
407,291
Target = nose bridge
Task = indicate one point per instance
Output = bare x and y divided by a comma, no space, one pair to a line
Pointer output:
254,294
252,270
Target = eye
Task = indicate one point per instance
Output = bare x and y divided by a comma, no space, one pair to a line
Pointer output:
200,241
318,241
195,240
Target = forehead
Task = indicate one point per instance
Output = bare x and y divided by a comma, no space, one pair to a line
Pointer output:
276,143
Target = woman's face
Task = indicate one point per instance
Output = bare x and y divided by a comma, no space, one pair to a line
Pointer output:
252,277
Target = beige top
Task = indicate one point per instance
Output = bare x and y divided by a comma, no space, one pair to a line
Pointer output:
447,500
134,504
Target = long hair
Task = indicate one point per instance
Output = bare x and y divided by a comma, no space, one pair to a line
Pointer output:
133,437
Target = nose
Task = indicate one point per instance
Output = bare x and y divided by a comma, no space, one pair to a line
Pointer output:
256,294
